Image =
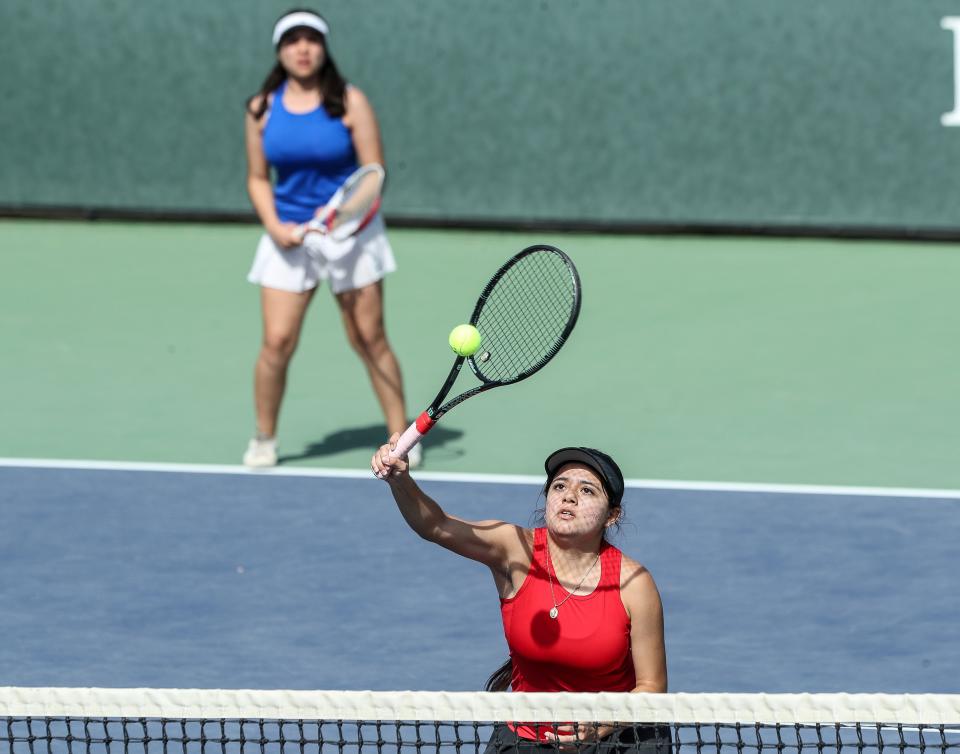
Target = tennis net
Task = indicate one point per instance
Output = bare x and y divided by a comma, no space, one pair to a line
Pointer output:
180,721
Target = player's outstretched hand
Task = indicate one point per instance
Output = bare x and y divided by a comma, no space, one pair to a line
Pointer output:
384,465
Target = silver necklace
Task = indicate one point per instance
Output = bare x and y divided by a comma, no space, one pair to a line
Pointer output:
555,610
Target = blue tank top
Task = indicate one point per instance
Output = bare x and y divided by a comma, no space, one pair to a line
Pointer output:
312,155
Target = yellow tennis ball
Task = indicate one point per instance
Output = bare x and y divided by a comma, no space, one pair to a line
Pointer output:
464,340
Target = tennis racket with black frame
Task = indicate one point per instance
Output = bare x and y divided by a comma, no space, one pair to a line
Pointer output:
524,316
350,209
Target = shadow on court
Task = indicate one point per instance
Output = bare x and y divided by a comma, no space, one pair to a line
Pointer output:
371,436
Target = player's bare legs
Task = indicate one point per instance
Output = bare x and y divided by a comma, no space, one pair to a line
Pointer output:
283,313
362,312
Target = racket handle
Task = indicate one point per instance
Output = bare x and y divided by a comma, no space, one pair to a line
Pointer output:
407,440
412,435
319,223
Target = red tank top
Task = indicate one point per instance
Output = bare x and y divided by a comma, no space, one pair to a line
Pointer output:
586,648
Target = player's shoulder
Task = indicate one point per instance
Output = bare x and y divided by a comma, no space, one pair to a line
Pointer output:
515,532
257,101
505,530
354,97
515,540
635,576
509,542
352,90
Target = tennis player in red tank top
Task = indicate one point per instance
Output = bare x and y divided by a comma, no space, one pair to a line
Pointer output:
578,614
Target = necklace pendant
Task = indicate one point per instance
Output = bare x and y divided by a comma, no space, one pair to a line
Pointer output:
554,613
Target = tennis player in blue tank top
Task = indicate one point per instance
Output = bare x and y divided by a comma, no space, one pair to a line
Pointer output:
312,155
312,130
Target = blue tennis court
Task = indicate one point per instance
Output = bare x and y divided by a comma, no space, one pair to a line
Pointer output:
757,222
133,578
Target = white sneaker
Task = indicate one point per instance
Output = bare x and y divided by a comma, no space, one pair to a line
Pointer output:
415,456
261,453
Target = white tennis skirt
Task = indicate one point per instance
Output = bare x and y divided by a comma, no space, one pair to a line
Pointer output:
354,263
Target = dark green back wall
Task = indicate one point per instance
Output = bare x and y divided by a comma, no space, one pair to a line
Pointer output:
749,112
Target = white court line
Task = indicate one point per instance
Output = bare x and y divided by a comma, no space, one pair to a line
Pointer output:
451,476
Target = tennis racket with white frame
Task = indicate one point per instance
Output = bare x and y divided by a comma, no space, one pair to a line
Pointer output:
524,316
350,209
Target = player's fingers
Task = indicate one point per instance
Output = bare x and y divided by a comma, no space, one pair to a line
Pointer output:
386,454
386,464
564,731
586,731
291,235
376,462
381,462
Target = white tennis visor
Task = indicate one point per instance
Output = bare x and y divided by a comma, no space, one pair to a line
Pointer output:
299,18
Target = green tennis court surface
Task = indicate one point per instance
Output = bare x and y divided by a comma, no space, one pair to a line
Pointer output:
755,360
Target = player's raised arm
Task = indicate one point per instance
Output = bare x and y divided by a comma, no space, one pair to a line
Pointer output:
493,543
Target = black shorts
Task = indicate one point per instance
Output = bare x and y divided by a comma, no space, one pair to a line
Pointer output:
641,739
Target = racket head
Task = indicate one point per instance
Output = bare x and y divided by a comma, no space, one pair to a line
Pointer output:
353,205
525,315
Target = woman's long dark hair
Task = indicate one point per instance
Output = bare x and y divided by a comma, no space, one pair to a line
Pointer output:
332,85
500,678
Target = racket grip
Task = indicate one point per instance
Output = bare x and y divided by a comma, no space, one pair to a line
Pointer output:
407,440
412,435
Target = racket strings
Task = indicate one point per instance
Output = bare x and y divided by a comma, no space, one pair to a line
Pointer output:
358,199
353,205
526,316
523,339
